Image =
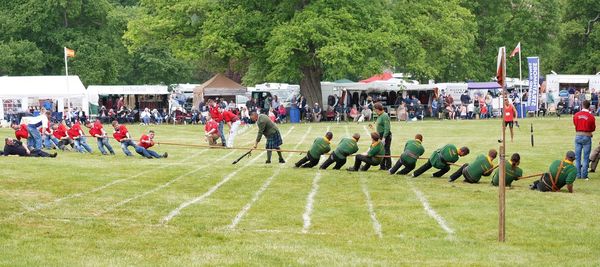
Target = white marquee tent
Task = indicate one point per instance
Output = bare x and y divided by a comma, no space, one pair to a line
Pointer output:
28,89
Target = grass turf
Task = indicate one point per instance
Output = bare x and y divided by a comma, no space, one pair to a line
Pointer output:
81,209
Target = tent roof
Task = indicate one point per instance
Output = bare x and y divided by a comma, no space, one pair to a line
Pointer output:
219,82
130,89
41,86
379,77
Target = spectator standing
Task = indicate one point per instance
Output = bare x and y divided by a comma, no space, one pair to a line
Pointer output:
317,113
585,125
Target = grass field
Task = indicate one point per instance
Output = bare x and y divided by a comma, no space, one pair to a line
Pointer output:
196,208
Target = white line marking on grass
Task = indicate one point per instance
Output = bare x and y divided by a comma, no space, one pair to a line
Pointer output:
367,131
201,198
310,200
264,187
376,224
347,131
97,189
430,211
159,187
255,198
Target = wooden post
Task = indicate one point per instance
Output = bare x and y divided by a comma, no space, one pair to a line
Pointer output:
502,160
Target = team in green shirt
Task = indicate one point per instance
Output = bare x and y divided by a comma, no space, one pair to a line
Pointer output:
441,159
320,146
372,157
413,149
560,173
482,166
345,148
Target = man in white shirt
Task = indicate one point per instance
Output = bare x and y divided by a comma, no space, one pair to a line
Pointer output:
34,124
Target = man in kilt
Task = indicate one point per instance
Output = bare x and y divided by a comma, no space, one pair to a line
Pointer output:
267,128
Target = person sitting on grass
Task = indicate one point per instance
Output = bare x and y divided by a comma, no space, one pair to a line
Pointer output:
146,142
441,158
372,157
511,170
320,146
560,173
345,148
16,147
413,149
60,133
482,166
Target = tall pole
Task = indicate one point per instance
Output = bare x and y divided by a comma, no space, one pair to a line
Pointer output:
520,84
502,180
67,76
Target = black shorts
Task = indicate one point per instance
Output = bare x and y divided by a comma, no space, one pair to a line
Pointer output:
509,123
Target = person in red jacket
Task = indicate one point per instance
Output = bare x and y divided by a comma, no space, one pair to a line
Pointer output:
211,131
233,121
510,117
50,142
122,136
585,125
216,115
97,131
20,131
146,142
76,133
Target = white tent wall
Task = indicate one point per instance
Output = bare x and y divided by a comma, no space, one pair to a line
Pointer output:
29,89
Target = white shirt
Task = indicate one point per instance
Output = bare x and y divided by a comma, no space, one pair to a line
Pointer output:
38,121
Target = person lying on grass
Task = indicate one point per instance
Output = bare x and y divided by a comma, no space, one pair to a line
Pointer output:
16,147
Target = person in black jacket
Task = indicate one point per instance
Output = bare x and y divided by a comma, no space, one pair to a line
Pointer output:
15,147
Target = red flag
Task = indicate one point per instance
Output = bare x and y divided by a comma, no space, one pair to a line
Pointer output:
516,50
69,52
501,69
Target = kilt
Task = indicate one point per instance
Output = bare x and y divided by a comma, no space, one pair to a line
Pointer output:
274,141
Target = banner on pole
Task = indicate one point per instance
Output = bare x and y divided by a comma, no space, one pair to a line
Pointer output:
534,83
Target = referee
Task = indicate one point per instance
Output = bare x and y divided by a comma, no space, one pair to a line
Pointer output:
382,126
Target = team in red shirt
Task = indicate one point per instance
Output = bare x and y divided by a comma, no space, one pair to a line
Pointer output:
97,131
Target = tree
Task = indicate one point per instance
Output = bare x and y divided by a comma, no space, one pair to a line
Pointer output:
580,38
20,58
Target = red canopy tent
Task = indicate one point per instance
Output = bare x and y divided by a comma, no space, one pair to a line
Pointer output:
379,77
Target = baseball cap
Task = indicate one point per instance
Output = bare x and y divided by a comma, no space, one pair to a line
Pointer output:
571,155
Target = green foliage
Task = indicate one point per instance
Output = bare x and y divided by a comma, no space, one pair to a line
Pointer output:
20,58
293,40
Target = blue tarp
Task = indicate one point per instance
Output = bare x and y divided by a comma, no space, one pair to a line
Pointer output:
483,85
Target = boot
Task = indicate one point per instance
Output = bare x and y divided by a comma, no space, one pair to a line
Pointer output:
269,153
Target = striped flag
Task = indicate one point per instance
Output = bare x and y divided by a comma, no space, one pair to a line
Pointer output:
516,50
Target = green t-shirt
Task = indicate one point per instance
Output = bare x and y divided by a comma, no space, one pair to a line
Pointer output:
567,174
511,175
413,149
383,125
482,165
265,127
441,157
346,147
319,147
375,150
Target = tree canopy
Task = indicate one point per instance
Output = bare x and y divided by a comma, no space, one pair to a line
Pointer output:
295,41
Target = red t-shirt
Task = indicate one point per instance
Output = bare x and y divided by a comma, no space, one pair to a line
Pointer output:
212,125
584,121
60,132
228,116
145,142
121,133
215,114
509,113
75,130
96,129
22,132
